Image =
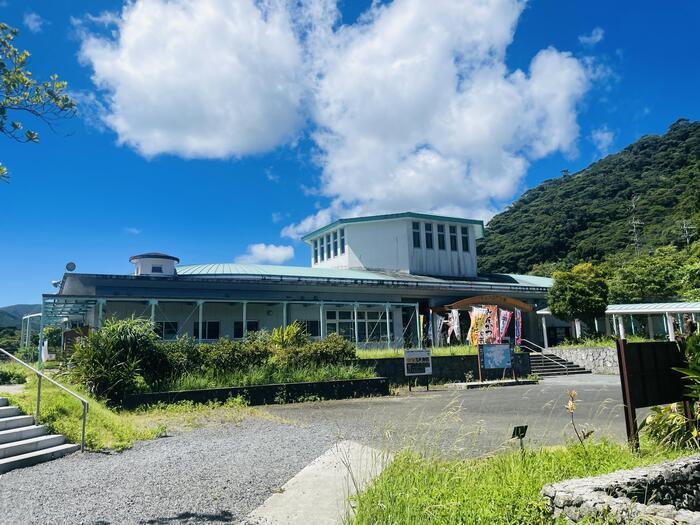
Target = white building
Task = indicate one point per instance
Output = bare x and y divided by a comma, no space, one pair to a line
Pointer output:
371,279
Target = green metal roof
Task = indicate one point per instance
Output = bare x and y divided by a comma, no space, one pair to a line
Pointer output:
389,216
305,272
277,271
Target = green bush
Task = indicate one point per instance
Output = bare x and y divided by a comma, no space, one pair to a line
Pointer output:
668,426
27,354
255,349
12,374
223,354
108,362
334,349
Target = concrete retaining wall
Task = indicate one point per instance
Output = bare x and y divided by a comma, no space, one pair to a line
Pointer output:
447,368
664,493
270,394
598,359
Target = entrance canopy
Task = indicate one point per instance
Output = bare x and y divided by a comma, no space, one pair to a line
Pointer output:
498,300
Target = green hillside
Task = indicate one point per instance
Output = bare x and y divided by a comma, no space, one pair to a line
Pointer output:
11,316
586,215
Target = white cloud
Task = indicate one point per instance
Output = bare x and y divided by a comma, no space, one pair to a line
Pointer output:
416,110
593,38
412,107
132,231
205,79
602,139
34,22
266,253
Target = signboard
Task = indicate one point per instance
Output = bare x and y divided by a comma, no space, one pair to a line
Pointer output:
417,362
648,378
495,356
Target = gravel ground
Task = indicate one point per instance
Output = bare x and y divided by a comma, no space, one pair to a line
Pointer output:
211,475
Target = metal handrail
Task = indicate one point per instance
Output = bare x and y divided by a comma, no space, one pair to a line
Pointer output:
41,375
541,352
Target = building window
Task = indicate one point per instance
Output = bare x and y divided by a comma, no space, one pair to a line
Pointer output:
315,250
210,330
166,329
441,236
342,240
312,328
335,244
428,236
321,251
156,269
238,328
416,234
453,238
465,238
328,246
371,325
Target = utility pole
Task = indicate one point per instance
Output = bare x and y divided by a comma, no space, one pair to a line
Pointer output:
687,230
635,224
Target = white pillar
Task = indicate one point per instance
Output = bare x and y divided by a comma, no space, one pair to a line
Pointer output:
100,312
650,326
614,323
544,331
634,332
322,326
622,326
418,327
357,325
577,327
669,325
153,303
388,326
245,318
200,304
595,323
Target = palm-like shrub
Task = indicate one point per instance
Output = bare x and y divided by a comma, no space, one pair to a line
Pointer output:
108,362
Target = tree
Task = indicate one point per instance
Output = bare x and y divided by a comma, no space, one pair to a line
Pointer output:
649,278
21,95
580,293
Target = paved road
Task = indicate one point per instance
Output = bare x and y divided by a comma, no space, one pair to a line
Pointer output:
220,474
471,421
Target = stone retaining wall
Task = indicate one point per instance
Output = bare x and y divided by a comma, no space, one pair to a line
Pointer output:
664,493
597,359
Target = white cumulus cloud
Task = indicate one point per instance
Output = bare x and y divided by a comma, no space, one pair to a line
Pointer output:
602,139
34,22
593,37
266,253
411,107
206,79
132,231
416,110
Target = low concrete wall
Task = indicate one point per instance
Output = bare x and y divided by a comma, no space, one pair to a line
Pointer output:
597,359
270,394
447,368
664,493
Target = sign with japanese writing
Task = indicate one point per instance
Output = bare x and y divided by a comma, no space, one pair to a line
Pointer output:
495,356
418,362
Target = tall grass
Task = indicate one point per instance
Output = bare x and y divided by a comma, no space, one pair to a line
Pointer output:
599,341
383,353
268,373
12,373
502,489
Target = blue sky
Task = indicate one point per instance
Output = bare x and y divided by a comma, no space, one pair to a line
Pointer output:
290,137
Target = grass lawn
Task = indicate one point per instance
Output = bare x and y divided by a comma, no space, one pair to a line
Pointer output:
109,429
383,353
501,489
608,342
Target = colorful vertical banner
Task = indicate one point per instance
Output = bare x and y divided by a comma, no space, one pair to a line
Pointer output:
504,317
478,319
455,325
518,327
489,332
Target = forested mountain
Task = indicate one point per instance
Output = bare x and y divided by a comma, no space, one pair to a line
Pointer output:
11,316
587,215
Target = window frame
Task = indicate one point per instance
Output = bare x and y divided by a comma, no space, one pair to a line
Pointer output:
464,231
342,240
428,228
441,237
453,237
206,329
416,235
335,244
157,268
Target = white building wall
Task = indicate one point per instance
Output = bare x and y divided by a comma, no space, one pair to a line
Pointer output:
381,245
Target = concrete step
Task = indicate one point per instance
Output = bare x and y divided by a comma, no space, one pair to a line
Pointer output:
24,446
9,412
4,402
15,422
37,456
571,373
21,433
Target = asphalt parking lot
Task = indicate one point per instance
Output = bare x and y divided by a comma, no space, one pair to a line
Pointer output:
220,474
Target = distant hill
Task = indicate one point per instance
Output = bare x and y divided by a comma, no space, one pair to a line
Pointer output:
11,316
586,215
